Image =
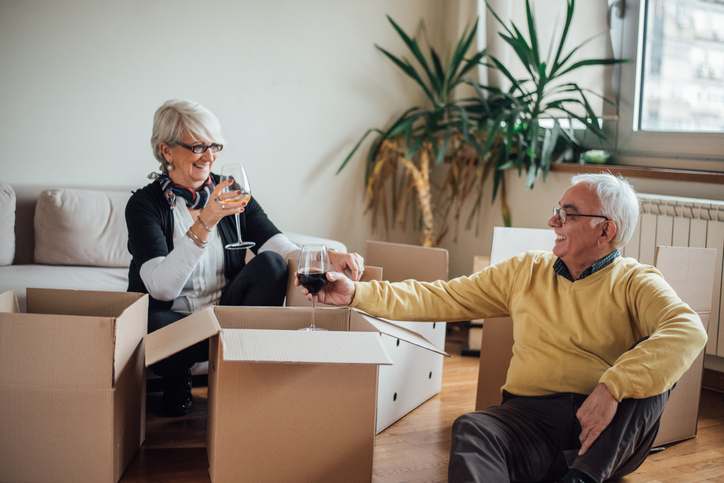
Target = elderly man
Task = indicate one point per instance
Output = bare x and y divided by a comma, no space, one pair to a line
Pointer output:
600,341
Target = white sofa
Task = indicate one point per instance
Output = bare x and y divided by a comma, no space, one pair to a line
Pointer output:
70,238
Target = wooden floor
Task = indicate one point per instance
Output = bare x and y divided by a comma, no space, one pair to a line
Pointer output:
415,449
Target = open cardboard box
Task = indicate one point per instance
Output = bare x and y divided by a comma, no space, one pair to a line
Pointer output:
288,405
690,273
416,374
72,385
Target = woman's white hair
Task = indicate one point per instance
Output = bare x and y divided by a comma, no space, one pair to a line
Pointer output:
177,117
619,203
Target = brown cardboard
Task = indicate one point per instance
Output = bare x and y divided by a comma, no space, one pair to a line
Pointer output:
295,298
416,375
688,270
288,405
72,385
496,350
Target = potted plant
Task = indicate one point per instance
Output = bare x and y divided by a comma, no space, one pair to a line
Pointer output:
513,118
405,154
470,138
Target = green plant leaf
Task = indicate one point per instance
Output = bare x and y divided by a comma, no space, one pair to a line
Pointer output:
470,64
415,49
499,65
564,35
590,62
533,34
410,71
356,146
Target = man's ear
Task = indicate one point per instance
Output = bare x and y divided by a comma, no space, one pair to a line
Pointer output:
608,231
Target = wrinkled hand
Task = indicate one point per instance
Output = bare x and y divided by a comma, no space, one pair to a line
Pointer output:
353,261
214,210
595,415
339,291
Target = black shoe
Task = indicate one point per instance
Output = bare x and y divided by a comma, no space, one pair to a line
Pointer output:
177,399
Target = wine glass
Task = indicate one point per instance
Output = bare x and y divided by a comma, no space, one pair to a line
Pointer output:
241,182
312,272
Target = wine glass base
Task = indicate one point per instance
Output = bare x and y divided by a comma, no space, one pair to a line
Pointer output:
239,246
311,329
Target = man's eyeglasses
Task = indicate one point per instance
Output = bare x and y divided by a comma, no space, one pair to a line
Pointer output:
563,215
201,148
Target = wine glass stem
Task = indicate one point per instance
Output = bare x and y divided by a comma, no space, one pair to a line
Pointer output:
238,227
314,299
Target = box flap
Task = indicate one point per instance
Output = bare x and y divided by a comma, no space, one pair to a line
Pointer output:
378,324
180,335
321,347
9,302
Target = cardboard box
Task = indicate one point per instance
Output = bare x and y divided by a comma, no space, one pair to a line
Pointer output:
496,346
690,271
285,405
416,374
72,385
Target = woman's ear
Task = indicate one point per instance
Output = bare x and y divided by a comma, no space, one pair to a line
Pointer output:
165,150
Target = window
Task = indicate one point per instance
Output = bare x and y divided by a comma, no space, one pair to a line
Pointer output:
671,94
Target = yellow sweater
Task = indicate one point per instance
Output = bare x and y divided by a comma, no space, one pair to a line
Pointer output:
569,336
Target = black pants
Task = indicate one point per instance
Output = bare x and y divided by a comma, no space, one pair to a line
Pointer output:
262,282
528,439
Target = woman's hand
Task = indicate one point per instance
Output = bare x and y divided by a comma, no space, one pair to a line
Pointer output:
353,261
215,209
339,291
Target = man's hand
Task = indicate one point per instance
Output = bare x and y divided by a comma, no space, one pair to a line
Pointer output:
595,415
339,291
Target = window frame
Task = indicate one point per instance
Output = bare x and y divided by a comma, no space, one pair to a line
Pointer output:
697,151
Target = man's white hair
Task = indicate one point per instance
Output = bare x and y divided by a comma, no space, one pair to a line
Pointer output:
618,200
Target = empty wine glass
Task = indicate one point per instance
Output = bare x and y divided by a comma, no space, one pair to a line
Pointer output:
312,272
236,172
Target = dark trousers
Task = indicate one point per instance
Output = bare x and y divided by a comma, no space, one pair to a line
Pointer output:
262,282
528,439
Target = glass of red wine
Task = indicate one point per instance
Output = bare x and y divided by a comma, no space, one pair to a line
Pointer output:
312,272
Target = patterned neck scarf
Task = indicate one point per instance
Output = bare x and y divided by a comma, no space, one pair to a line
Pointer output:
194,199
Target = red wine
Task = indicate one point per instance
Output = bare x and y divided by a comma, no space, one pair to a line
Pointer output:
313,281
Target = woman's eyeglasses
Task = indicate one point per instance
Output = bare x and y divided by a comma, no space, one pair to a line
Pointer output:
201,148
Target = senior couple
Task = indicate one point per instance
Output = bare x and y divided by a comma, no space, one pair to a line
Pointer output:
600,340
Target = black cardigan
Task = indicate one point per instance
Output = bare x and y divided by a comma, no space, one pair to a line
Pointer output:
150,235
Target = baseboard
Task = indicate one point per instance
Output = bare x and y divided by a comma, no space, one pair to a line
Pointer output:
713,380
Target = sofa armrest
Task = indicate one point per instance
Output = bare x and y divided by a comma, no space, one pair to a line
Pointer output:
306,239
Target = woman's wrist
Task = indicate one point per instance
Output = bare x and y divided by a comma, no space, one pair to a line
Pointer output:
203,225
195,238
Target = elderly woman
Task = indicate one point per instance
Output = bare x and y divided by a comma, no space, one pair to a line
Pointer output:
177,231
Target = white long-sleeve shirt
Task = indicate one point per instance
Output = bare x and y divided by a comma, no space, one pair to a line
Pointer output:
191,276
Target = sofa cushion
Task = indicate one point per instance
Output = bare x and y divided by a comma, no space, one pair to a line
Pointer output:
7,224
81,227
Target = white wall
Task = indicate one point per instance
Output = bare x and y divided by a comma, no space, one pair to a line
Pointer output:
295,84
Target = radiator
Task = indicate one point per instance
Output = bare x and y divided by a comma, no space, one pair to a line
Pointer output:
684,222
